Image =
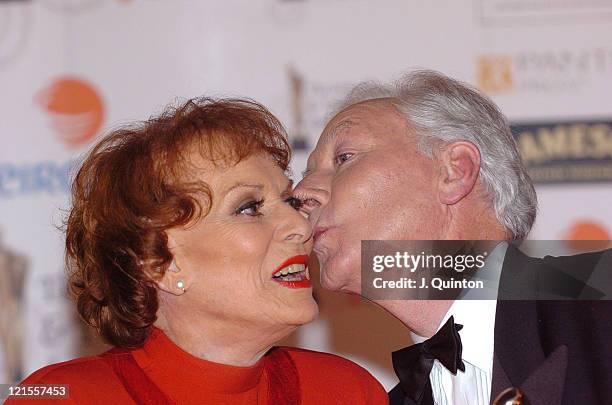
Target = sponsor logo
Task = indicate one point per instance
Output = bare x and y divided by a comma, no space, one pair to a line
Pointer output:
71,5
542,71
75,109
588,230
578,151
46,177
297,135
76,6
290,13
595,234
494,73
529,11
14,21
311,103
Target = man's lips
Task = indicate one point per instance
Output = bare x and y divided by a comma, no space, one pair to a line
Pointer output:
318,232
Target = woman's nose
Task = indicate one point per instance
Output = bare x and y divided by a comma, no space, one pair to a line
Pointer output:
294,227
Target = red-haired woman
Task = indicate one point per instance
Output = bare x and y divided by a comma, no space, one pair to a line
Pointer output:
188,254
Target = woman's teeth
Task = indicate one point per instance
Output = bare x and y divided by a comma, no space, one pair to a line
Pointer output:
293,272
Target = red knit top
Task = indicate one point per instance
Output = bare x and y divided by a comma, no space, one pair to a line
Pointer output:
162,373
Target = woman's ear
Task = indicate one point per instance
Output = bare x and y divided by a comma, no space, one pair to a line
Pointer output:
173,281
459,166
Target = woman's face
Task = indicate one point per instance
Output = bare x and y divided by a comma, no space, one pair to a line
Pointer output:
231,258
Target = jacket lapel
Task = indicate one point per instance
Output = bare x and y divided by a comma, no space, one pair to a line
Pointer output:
519,359
544,386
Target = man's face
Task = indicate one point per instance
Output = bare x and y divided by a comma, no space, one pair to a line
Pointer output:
365,180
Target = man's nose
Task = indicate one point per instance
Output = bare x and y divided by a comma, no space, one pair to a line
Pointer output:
314,191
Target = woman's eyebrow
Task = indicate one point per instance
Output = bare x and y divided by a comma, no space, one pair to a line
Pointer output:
243,185
257,186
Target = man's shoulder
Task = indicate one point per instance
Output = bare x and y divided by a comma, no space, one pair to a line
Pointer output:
581,286
585,260
579,276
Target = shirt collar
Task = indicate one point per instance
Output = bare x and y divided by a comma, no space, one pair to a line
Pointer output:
477,335
478,317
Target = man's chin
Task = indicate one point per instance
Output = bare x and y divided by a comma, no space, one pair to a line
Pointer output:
330,285
338,281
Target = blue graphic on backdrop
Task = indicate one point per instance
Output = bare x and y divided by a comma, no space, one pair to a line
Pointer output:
46,177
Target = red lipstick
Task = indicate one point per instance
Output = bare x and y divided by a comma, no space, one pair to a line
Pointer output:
301,259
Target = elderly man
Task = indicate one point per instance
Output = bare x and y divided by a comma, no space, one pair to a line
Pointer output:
429,158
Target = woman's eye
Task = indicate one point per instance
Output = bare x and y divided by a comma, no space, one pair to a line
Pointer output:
252,208
296,203
342,157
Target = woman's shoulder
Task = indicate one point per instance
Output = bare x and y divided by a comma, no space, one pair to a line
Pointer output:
328,374
80,369
90,380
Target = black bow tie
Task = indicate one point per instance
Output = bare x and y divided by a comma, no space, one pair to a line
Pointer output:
413,363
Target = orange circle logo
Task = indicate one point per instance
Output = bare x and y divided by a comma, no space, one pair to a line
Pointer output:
588,230
75,108
594,235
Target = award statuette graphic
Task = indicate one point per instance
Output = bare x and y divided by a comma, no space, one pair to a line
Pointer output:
297,137
13,269
511,396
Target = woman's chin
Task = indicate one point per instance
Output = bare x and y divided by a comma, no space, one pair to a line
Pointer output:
306,312
312,314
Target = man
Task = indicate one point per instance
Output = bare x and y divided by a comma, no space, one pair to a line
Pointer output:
429,158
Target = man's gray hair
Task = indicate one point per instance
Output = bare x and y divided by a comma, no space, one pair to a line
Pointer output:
441,110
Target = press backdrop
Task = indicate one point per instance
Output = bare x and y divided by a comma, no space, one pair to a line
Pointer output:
70,70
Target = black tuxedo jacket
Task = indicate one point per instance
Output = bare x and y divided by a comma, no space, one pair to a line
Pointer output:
556,350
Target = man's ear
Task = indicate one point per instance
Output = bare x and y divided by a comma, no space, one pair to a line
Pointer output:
459,166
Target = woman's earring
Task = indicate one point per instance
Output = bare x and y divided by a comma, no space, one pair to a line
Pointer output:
180,284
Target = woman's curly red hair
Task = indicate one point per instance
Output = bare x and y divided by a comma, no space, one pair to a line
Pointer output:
132,187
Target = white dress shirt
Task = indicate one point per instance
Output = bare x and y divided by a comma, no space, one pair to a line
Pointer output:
472,386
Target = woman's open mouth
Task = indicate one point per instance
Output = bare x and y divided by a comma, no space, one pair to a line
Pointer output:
293,273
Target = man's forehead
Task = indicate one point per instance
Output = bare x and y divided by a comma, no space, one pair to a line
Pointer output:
331,133
365,114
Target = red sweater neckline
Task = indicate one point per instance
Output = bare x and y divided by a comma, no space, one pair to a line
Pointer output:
178,371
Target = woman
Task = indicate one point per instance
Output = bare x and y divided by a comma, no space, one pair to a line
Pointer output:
188,254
